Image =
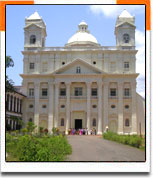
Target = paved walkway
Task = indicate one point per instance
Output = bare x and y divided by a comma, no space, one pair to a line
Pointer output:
94,148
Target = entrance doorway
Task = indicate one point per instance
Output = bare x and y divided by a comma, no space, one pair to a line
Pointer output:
78,124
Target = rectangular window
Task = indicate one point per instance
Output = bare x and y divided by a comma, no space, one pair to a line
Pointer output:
63,92
78,91
44,91
94,92
113,92
126,92
32,65
31,92
78,70
126,66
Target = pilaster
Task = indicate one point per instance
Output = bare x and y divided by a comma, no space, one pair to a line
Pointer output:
56,104
36,110
134,118
67,107
50,108
120,108
88,105
99,108
106,121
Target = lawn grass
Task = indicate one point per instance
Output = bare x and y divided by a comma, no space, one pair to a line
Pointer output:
132,140
37,148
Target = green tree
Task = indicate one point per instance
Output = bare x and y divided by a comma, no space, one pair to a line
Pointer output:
31,127
9,83
9,62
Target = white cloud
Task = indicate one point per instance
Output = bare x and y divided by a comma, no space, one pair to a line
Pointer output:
140,61
112,11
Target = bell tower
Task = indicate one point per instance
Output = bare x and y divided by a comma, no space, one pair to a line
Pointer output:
34,31
125,30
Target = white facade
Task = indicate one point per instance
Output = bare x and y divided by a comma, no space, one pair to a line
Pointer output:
83,84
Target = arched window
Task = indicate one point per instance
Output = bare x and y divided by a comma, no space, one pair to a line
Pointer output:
127,122
78,70
32,39
126,38
94,122
94,106
62,122
44,106
30,120
126,106
113,106
62,106
31,106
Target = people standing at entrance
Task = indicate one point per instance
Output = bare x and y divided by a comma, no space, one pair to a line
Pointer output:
86,131
69,131
79,131
73,131
95,132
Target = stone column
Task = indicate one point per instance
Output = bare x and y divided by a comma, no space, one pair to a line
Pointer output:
12,124
120,108
13,103
19,106
16,104
88,106
36,110
134,118
15,125
106,119
50,107
9,103
56,103
99,108
67,107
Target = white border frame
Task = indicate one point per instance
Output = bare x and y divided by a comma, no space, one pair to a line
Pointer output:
74,166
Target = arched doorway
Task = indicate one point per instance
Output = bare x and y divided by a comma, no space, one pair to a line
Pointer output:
43,123
113,126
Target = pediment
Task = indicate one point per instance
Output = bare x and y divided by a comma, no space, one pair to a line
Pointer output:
85,68
32,27
125,24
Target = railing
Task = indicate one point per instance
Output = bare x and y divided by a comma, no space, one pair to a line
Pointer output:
127,97
73,48
62,97
113,97
43,97
94,97
78,97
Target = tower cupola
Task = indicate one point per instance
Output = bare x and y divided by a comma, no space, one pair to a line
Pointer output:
125,30
34,31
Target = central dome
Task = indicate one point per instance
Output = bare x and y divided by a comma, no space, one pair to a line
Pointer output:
82,37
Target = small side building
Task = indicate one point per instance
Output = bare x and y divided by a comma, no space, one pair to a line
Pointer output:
14,101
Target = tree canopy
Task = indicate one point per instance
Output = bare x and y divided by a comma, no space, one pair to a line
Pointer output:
9,82
9,62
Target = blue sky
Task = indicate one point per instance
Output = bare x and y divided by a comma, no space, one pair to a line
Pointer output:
62,22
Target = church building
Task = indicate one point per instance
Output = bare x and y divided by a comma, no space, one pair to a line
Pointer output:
82,84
